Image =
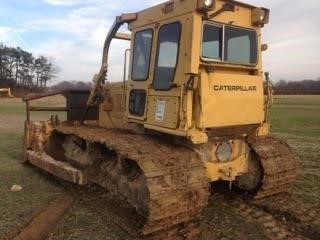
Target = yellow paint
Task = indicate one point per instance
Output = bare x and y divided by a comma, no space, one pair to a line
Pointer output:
227,171
223,104
205,96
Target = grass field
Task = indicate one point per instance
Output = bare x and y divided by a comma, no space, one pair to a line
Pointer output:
297,119
38,189
294,118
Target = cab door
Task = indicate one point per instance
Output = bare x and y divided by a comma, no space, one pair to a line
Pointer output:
137,89
153,94
164,94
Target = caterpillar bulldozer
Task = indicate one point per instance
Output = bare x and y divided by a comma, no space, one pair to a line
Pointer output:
193,111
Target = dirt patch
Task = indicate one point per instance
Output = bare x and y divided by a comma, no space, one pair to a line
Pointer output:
301,216
42,224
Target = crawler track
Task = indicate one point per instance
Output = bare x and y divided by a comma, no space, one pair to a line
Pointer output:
165,184
279,165
162,187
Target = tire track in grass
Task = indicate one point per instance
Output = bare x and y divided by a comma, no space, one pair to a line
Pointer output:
274,228
301,216
41,224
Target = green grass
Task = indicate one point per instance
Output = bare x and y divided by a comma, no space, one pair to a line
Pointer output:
11,109
86,223
11,106
296,117
305,101
38,188
297,120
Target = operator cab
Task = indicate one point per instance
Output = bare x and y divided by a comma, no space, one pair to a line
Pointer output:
194,64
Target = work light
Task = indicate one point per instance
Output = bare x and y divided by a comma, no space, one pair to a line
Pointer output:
205,5
259,16
208,3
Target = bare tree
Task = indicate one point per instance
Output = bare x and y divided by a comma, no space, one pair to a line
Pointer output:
19,69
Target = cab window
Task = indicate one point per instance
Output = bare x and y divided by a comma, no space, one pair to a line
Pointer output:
167,55
229,44
141,55
137,102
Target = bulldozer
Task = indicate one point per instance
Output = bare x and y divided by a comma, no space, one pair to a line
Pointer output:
192,110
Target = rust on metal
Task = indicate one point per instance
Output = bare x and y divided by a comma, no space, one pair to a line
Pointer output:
75,105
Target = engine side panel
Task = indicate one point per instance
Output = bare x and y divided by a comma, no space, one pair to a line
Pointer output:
229,100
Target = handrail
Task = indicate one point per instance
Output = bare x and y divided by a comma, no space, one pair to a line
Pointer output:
99,78
41,95
29,108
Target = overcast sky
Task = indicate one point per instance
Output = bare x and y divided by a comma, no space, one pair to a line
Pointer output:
72,32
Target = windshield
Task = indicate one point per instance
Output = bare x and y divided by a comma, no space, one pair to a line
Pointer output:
229,44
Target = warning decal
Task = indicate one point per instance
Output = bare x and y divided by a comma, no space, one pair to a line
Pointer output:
160,108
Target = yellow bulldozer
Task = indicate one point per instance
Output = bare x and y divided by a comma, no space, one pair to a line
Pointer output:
193,111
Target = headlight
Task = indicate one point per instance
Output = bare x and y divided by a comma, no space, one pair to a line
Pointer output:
205,5
224,151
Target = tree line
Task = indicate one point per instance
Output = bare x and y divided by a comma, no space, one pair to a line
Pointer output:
303,87
20,69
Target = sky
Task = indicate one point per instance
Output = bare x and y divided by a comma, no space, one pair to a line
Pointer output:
71,34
